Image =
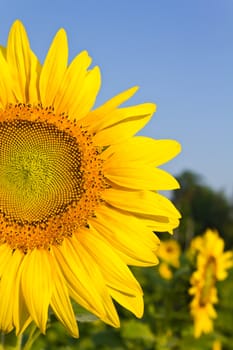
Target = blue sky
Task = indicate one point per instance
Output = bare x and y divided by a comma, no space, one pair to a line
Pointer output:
179,52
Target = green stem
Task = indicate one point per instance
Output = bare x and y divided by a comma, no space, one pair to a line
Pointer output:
33,335
11,342
19,342
2,341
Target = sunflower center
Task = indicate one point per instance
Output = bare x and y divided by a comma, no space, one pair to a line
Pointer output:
40,170
210,281
51,177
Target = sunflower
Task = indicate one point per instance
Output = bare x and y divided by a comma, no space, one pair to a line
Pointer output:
169,253
78,190
165,270
212,265
217,345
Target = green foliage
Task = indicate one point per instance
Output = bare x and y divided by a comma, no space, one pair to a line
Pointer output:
202,208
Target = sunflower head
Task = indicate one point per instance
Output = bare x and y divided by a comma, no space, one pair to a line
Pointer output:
169,251
212,264
77,189
46,175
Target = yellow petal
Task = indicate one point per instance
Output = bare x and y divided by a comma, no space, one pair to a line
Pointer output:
35,69
141,202
161,223
86,97
5,257
37,284
85,282
124,123
116,274
122,285
8,287
6,83
134,303
137,247
97,116
72,83
53,69
18,53
137,177
21,316
23,64
60,302
142,149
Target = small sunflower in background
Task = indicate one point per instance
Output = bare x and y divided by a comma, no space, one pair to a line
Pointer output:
78,190
169,255
217,345
212,264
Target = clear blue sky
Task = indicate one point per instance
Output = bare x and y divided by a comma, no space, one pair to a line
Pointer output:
180,53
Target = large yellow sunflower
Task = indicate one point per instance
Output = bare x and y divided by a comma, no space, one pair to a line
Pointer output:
78,200
212,265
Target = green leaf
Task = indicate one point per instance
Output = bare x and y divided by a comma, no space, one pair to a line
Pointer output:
134,329
82,315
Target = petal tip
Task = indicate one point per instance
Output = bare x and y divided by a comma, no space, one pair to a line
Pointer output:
17,23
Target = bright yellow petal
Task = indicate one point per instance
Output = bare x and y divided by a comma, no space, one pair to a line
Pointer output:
115,272
5,257
53,69
124,123
122,285
161,223
18,58
96,117
72,84
137,177
141,202
122,114
21,316
137,247
142,150
8,287
60,302
23,64
6,83
134,303
85,282
86,97
35,69
37,284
